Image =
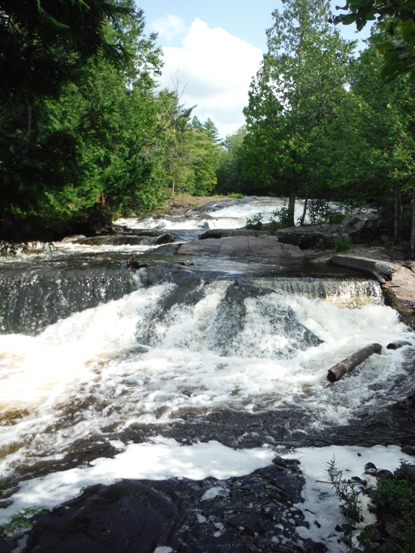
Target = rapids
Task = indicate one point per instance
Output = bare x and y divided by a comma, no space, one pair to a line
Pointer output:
94,357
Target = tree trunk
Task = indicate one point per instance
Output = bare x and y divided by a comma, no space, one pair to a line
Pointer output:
291,203
29,122
398,213
305,205
348,364
413,225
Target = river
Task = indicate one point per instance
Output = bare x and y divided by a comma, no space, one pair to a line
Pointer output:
107,373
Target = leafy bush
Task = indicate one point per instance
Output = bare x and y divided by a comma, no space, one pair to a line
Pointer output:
235,195
319,211
273,227
283,215
336,218
349,497
393,502
254,223
342,244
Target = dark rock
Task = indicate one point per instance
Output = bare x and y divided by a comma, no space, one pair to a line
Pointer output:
370,468
397,345
384,473
406,404
135,263
226,233
115,240
140,516
182,264
360,228
165,239
166,249
317,236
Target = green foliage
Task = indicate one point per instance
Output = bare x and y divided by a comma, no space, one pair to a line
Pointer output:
295,102
255,222
393,499
336,218
319,211
349,497
342,244
231,175
18,523
397,18
395,495
236,195
44,44
99,140
284,217
273,227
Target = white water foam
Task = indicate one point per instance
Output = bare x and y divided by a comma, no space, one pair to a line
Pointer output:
321,506
166,458
162,459
88,377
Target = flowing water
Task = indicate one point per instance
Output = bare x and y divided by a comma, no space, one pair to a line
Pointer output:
94,357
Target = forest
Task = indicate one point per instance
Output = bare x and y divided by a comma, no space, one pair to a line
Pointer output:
86,134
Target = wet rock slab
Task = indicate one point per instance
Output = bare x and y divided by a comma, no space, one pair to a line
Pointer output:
255,513
263,247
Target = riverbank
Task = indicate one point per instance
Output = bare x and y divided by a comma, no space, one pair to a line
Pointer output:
398,285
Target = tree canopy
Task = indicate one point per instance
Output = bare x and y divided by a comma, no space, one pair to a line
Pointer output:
397,19
85,133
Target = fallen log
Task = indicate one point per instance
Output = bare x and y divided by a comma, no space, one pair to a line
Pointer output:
348,364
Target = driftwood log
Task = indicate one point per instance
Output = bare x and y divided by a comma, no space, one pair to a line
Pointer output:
345,366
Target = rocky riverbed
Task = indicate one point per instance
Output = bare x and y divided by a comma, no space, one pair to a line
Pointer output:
260,511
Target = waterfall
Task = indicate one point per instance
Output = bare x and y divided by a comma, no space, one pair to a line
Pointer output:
32,300
99,363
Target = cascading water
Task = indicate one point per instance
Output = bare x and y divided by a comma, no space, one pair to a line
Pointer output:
164,350
94,359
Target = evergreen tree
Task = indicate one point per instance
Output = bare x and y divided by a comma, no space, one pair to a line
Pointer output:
297,93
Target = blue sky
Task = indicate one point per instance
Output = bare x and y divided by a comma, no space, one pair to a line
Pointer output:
213,49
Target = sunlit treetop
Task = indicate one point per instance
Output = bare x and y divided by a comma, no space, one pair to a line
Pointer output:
397,19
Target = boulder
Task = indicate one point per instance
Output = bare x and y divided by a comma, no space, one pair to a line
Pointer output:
362,227
316,236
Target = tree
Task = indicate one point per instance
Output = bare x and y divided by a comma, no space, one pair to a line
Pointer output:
204,157
45,42
230,174
84,153
388,124
395,25
397,18
298,91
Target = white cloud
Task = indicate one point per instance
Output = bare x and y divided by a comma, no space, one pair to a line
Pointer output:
169,26
215,69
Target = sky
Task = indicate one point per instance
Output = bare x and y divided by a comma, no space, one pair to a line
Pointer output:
211,51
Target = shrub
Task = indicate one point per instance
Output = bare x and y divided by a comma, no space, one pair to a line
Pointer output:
349,497
284,217
342,244
319,211
254,223
336,218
